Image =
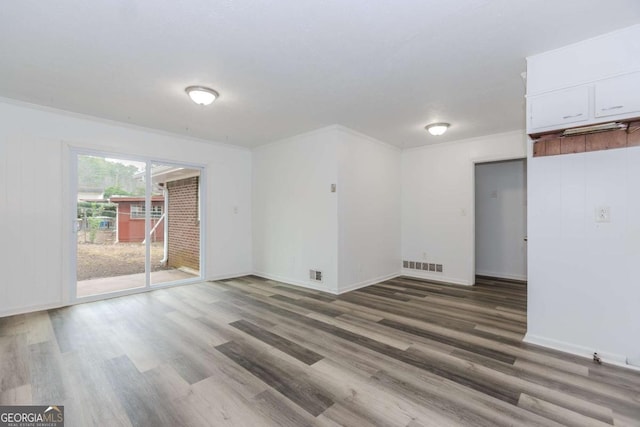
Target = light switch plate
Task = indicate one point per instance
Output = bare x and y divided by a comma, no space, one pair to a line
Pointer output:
603,214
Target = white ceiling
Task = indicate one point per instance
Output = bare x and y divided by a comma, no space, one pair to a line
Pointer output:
384,68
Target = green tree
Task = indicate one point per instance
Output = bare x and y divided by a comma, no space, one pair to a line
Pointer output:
98,174
115,191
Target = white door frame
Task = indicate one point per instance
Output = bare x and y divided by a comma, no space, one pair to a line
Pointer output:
72,253
474,162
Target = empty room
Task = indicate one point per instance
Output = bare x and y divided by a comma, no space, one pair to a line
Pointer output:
320,213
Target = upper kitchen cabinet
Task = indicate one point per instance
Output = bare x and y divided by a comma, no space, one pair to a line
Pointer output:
617,96
593,81
559,109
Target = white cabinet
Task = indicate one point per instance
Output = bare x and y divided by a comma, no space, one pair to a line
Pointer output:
616,96
559,108
606,100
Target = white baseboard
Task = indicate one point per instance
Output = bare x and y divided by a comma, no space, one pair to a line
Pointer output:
579,350
368,282
502,275
436,277
318,287
227,276
31,309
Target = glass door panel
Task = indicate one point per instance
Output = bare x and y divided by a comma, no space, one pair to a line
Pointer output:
110,225
175,230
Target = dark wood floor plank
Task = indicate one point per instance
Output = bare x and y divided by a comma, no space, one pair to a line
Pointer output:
311,305
299,352
306,395
280,410
497,355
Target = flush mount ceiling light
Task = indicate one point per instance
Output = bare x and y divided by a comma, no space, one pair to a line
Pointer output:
202,95
436,129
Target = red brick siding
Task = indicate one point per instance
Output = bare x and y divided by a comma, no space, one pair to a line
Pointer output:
184,227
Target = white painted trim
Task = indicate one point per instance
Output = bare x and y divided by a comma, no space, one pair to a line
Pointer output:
202,220
443,144
502,275
295,282
490,159
330,128
71,185
367,137
95,119
69,223
30,309
134,291
578,350
294,137
437,277
227,276
365,283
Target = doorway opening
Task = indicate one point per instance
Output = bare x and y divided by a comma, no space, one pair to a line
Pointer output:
501,222
137,224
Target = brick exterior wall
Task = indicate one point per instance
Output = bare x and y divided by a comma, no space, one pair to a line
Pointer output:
184,227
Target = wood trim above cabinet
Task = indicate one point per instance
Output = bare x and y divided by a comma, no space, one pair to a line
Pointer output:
633,134
553,147
573,144
607,140
555,144
540,148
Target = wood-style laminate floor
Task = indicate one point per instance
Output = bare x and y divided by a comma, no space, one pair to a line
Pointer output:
252,352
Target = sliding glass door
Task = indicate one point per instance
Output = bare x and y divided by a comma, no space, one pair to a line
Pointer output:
137,224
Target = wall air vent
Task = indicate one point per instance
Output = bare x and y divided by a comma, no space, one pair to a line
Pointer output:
595,128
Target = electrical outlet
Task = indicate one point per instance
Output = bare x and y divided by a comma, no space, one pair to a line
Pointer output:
432,267
439,268
405,264
412,264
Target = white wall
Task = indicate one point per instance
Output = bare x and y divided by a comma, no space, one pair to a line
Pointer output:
295,217
438,202
368,210
584,280
36,218
353,235
501,219
584,292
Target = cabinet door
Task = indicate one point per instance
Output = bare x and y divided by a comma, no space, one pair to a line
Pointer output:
560,108
618,96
